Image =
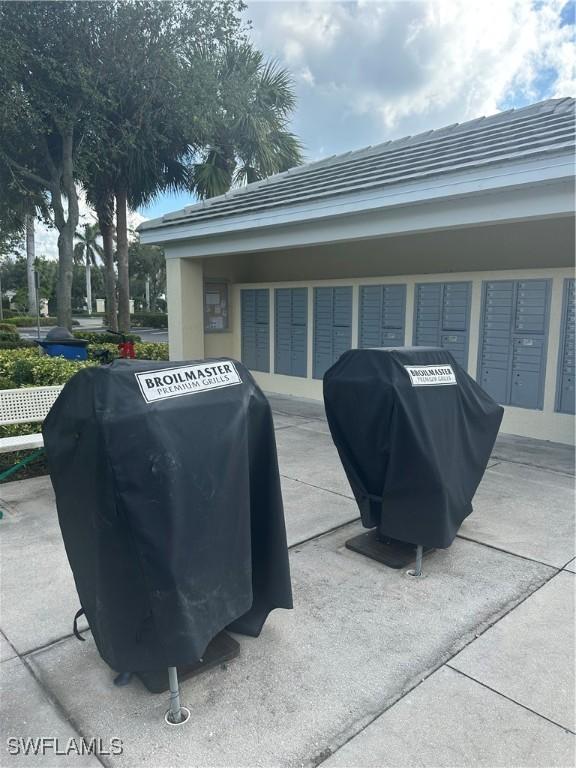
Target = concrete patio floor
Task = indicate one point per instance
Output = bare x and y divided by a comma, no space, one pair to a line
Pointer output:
472,665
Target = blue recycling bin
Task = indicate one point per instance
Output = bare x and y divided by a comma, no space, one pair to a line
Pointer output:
59,342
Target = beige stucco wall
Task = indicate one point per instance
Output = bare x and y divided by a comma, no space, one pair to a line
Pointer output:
387,261
185,294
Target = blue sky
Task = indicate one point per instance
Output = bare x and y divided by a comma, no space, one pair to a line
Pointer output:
365,72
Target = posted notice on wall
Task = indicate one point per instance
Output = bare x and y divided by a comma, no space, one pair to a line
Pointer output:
186,380
430,375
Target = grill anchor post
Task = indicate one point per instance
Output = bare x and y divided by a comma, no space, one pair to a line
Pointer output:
177,714
417,571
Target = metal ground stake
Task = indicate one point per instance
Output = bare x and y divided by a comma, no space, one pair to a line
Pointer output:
417,572
175,710
419,552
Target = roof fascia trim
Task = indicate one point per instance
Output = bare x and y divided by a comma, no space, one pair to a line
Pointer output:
527,173
543,201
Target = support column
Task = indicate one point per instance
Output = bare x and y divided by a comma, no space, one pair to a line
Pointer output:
185,298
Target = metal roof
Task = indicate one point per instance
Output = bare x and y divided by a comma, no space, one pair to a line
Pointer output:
533,131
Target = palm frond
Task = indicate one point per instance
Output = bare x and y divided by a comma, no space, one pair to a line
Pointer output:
213,176
276,89
246,174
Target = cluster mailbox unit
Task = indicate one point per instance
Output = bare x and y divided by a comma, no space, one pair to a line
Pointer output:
414,433
169,502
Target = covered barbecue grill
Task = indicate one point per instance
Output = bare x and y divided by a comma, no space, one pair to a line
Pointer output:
414,433
169,502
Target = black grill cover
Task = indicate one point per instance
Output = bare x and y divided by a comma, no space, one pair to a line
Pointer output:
414,455
170,510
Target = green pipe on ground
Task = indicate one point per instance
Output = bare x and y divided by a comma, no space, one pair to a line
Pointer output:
29,459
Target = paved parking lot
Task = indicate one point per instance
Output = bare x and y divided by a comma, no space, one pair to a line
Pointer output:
472,665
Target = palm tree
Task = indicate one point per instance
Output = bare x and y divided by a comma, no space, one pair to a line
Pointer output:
88,251
104,207
248,140
251,140
99,189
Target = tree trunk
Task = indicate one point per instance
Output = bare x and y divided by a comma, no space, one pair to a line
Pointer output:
30,263
66,229
65,262
59,184
88,286
122,251
105,213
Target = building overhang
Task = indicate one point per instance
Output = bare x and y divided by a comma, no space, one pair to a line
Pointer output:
541,187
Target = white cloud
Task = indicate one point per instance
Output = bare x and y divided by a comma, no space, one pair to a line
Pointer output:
369,71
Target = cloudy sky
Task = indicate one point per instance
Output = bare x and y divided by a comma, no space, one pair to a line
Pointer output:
365,72
369,71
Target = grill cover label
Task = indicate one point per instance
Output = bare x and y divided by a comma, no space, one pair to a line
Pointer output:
186,380
430,375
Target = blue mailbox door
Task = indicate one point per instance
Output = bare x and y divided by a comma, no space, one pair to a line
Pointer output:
291,331
513,341
382,316
566,385
255,328
332,326
442,317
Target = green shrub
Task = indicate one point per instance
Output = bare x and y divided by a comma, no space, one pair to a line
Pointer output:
8,359
27,321
143,351
16,343
148,350
15,430
149,320
31,368
94,337
8,333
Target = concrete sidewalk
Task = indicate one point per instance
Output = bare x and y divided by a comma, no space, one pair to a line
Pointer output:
472,665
